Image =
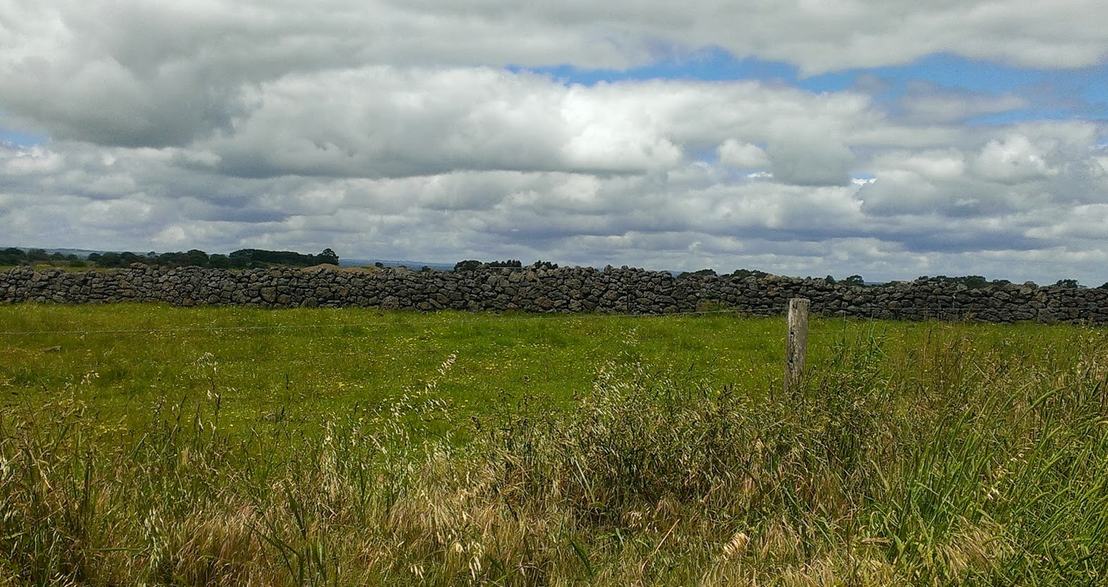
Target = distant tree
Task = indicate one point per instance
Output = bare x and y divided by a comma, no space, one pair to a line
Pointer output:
830,280
544,265
218,261
327,256
12,256
109,260
467,265
176,259
509,263
37,255
238,262
1067,283
262,257
698,273
743,273
974,281
196,258
854,280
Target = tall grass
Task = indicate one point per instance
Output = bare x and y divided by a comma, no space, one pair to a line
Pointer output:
955,459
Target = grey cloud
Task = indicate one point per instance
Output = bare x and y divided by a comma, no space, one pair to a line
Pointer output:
1081,223
694,214
824,36
438,162
1044,167
134,73
388,122
965,238
385,122
810,163
926,103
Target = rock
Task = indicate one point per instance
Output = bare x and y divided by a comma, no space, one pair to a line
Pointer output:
576,289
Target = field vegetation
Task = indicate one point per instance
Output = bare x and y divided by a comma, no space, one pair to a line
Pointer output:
143,444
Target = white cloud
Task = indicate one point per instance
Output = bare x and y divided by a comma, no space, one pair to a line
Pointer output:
390,122
742,155
139,73
1013,159
392,128
925,208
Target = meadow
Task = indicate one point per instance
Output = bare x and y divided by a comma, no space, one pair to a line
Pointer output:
144,444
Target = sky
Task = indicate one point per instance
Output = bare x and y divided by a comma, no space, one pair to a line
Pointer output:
886,138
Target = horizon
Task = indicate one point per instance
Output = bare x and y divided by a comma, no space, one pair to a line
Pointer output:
884,139
416,265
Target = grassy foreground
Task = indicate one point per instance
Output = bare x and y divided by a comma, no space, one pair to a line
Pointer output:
152,445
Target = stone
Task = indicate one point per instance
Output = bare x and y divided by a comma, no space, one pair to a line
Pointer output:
576,289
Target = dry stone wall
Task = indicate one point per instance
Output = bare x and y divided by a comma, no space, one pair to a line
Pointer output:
569,289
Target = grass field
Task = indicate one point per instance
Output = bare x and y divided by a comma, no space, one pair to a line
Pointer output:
142,444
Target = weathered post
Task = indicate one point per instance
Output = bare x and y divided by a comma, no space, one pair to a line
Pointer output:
796,344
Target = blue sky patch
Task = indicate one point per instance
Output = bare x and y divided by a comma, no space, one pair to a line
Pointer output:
1050,95
21,139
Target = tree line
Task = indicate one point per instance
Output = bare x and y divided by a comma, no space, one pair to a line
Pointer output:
240,259
256,258
474,265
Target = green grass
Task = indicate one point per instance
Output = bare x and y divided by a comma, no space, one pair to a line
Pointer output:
143,444
125,361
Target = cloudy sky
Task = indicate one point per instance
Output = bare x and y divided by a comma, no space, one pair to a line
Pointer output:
887,138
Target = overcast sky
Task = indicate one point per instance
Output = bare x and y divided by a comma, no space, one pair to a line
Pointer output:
887,138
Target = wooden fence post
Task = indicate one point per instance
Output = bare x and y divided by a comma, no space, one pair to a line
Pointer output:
796,344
